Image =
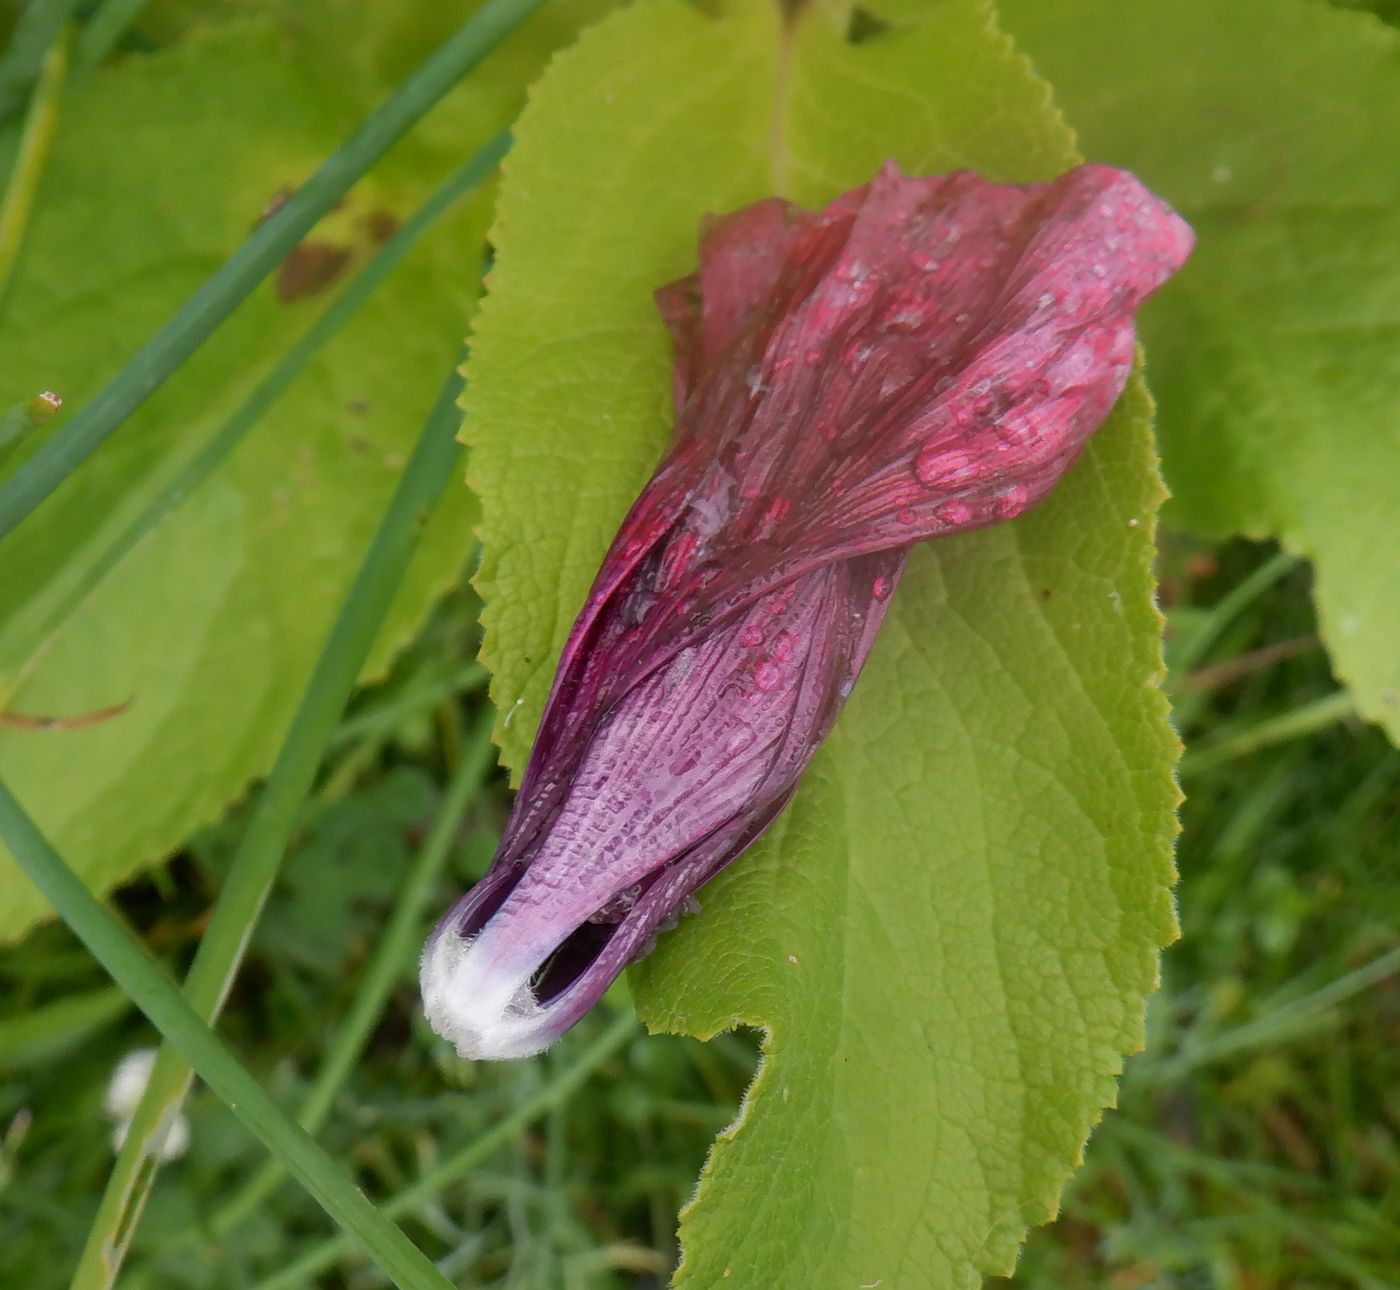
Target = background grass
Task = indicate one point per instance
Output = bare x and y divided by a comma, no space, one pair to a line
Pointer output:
1255,1144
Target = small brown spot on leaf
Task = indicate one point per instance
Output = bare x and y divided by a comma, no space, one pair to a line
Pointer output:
380,225
863,26
311,267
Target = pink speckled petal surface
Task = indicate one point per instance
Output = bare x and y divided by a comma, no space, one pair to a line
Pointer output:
925,356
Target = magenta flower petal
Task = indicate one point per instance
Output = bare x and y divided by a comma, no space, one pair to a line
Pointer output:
925,356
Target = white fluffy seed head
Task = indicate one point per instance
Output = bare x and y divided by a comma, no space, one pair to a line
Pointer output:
486,1014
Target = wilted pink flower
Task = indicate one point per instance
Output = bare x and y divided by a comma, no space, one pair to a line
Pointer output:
924,356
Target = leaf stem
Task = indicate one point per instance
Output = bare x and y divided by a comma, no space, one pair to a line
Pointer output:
556,1091
36,136
155,994
396,947
260,850
198,317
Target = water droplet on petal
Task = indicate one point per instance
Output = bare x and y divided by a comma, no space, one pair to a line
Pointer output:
751,636
768,676
941,465
1011,501
880,588
955,513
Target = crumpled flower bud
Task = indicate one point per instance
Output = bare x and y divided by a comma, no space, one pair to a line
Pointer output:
923,357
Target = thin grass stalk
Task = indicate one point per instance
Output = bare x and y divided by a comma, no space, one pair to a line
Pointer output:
101,32
34,33
375,722
36,136
1193,649
559,1088
396,947
1302,721
260,850
119,952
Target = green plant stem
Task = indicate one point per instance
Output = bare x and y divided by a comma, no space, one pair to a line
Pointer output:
1193,649
1280,1023
23,418
1289,725
557,1090
396,947
197,318
286,370
102,31
378,720
156,995
34,34
260,850
35,138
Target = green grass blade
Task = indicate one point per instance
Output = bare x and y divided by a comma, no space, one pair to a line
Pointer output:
397,944
1192,650
1280,1023
303,1271
102,31
260,850
326,327
197,318
376,722
35,137
34,34
24,418
155,994
1302,721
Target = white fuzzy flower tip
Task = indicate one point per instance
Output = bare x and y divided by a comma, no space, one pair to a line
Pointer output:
485,1015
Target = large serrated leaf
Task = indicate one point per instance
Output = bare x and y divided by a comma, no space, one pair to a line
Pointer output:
1271,124
210,627
949,936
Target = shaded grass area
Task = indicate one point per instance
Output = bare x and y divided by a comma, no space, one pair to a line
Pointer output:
1255,1145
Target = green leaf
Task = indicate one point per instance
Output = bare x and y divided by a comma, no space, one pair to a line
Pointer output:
949,936
1271,124
208,629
